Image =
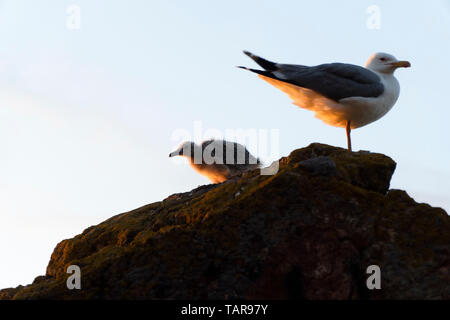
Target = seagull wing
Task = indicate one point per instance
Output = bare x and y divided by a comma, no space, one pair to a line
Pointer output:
333,80
233,154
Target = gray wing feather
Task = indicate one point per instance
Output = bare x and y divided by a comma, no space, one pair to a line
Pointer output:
238,155
333,80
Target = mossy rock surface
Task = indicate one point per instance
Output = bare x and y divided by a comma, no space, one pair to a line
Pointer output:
308,232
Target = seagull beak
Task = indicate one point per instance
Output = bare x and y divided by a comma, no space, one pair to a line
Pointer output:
176,153
401,64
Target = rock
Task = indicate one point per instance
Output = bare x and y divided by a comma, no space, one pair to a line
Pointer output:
9,293
308,232
371,171
321,165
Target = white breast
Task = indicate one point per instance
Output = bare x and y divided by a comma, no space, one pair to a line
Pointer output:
363,111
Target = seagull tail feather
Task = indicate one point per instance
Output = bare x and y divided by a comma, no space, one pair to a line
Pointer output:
261,72
266,64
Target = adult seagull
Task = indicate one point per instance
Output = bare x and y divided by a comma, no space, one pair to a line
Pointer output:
340,94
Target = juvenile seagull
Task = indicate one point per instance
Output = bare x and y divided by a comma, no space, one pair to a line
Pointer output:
340,94
218,160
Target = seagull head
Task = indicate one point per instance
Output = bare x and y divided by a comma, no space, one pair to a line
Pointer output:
185,149
385,63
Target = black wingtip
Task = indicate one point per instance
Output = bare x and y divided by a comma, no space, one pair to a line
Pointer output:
261,72
266,64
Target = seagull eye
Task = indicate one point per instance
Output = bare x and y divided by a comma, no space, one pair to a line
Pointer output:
383,59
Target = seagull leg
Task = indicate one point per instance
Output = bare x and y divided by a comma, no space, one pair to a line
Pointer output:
349,139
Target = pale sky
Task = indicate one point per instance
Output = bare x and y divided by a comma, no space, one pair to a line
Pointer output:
87,115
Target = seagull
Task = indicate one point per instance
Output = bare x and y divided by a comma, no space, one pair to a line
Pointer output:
218,160
340,94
